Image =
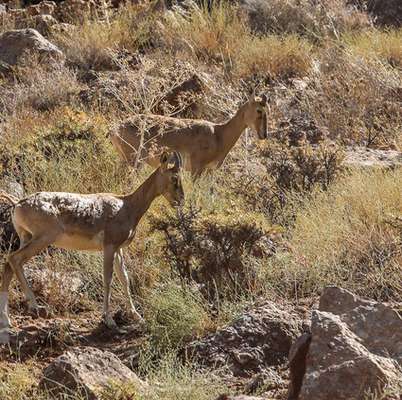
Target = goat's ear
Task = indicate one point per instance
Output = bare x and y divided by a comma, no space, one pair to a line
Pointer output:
164,159
252,95
264,99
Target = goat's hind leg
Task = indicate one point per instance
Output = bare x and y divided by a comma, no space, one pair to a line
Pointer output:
108,257
30,247
7,276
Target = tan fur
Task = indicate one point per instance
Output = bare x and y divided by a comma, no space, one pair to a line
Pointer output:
203,144
98,222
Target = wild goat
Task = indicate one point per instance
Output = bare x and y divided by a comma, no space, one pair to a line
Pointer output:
203,144
98,222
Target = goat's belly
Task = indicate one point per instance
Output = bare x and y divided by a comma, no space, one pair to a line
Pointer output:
80,242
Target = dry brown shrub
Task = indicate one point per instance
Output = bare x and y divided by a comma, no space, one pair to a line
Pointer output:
351,98
213,249
8,237
287,175
161,85
39,87
304,166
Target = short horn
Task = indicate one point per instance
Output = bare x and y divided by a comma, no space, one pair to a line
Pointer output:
178,161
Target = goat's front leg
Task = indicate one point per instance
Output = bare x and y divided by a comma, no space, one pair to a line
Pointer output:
123,278
108,257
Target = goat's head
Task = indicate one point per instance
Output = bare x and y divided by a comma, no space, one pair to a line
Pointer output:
255,113
171,185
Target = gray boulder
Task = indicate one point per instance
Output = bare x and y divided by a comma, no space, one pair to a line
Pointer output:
17,43
355,349
256,341
87,371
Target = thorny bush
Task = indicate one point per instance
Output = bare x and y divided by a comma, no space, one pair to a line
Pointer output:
213,249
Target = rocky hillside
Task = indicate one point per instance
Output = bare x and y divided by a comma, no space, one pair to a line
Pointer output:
280,277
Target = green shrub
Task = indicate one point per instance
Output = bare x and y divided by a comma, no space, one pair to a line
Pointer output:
174,313
69,153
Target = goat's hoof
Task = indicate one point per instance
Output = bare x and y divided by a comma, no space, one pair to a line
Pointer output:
109,323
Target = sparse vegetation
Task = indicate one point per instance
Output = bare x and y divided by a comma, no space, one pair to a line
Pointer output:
280,220
347,236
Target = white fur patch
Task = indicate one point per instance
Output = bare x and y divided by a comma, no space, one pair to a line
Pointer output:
87,207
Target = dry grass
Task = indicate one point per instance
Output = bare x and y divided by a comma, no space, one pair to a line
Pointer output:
170,381
353,99
274,57
38,87
383,45
17,382
341,230
94,44
223,36
6,23
350,236
214,35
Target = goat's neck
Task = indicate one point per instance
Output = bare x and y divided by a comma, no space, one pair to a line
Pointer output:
230,131
139,201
